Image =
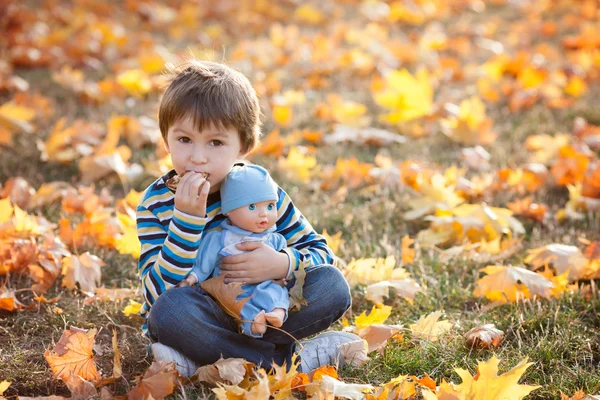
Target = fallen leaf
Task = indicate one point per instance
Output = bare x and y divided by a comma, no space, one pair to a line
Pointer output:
560,256
133,308
406,288
377,335
226,295
487,384
83,272
506,283
355,353
337,388
378,314
429,328
297,299
484,337
117,370
158,382
73,355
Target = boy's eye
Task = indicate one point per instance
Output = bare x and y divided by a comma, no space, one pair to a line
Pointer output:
270,206
252,207
184,139
216,142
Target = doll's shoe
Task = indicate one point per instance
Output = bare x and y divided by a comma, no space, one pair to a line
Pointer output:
184,365
324,349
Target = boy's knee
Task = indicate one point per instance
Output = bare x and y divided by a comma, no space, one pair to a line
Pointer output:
337,286
167,307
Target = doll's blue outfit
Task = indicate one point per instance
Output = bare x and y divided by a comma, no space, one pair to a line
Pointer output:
243,185
266,295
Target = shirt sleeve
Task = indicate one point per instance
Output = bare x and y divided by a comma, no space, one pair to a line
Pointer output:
167,255
303,243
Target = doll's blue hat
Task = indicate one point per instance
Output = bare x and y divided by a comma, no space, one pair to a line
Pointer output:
245,185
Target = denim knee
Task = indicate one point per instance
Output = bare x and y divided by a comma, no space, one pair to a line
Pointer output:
163,313
341,299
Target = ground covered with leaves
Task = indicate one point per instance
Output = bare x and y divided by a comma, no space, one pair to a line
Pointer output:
448,150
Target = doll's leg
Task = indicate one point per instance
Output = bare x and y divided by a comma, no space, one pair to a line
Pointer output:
328,297
259,324
263,299
276,317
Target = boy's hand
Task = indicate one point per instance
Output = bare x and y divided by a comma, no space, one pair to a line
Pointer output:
189,280
192,193
259,264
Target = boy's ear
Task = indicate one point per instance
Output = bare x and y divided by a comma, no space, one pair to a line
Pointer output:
166,145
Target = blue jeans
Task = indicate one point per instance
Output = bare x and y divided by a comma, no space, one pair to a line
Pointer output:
190,321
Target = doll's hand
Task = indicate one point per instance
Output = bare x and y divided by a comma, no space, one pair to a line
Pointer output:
192,193
259,264
189,280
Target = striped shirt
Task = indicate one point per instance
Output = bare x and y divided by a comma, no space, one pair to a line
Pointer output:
170,238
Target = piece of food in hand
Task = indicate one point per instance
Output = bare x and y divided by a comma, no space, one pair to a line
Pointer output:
173,181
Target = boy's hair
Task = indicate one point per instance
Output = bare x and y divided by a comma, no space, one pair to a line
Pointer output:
209,92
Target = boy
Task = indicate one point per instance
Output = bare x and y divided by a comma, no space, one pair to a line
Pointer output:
209,120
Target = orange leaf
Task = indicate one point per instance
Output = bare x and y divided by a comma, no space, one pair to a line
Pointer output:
324,370
158,382
73,355
226,295
484,337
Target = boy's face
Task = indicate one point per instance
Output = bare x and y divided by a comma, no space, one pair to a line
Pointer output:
256,217
212,150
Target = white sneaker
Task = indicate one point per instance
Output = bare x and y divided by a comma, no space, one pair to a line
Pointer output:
184,365
324,349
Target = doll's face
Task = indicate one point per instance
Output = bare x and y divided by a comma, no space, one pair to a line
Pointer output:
255,217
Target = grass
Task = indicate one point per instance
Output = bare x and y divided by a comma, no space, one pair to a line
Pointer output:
561,337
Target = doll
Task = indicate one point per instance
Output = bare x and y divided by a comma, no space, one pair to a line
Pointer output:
249,200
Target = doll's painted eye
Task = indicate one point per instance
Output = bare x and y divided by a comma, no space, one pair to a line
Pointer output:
252,207
271,206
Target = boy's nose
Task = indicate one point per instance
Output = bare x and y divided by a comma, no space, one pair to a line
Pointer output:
198,157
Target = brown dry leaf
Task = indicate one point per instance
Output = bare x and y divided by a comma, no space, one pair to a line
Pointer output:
406,288
73,355
507,283
158,382
107,294
230,371
83,270
484,337
117,370
226,295
297,299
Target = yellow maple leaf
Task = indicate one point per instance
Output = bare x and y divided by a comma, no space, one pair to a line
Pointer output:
133,308
487,384
308,14
135,81
470,126
6,210
14,116
3,386
282,114
408,97
299,165
429,328
576,87
408,253
333,242
366,271
379,313
73,355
